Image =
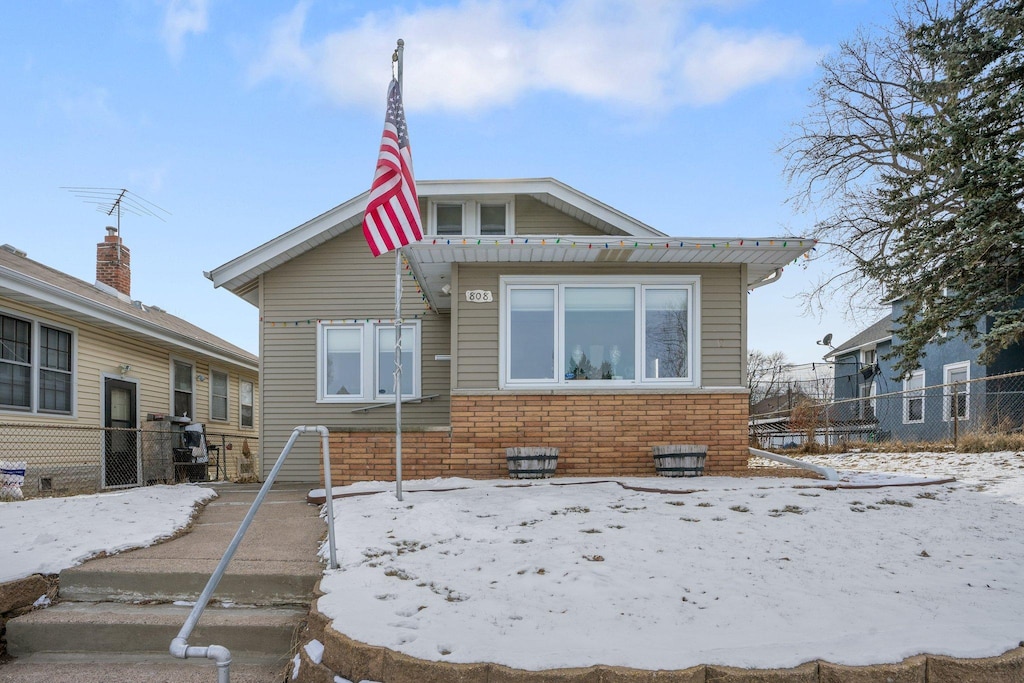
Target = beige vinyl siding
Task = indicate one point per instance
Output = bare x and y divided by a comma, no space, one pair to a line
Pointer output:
536,218
339,280
722,309
99,353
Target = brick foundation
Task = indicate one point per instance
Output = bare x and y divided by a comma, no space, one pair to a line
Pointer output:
598,435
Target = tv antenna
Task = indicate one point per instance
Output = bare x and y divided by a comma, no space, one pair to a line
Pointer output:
113,201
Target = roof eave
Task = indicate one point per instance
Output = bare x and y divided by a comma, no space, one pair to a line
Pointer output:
45,292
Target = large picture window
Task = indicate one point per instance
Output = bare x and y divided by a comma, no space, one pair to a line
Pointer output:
355,362
611,330
36,366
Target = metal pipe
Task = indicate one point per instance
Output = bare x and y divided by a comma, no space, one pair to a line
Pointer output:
218,653
329,490
827,472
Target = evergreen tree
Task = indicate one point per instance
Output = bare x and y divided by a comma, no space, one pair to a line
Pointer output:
930,205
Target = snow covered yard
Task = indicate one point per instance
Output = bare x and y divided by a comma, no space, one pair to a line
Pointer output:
46,535
754,572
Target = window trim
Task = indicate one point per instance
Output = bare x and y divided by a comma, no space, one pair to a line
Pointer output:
947,392
640,284
192,366
907,398
471,213
241,404
227,394
36,369
368,362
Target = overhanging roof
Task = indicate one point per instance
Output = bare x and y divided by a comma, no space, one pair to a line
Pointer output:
241,275
34,284
626,241
431,259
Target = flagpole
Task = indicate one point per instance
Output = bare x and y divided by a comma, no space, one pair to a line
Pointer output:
399,50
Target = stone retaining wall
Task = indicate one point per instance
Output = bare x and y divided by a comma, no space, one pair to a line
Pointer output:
358,662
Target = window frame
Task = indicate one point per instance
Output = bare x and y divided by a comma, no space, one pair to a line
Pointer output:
227,394
640,285
242,404
36,368
471,209
867,400
174,386
947,391
918,395
368,362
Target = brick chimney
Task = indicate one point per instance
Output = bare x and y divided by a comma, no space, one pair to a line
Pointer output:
113,263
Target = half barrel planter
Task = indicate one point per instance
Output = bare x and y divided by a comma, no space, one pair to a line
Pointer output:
682,460
531,462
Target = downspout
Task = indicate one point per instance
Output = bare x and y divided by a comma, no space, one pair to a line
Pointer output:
766,280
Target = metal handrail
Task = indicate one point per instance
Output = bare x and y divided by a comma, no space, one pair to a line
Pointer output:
218,653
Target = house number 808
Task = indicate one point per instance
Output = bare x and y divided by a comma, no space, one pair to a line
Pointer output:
479,296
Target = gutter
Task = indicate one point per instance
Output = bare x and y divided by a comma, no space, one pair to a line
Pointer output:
99,311
766,280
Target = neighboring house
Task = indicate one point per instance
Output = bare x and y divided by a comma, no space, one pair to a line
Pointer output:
938,396
534,315
77,357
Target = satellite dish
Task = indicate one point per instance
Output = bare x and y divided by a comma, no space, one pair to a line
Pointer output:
826,341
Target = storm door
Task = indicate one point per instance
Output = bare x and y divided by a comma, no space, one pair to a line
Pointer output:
120,439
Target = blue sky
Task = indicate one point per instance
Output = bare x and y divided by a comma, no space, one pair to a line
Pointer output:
245,119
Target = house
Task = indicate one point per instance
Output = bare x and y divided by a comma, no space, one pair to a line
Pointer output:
533,315
949,392
89,378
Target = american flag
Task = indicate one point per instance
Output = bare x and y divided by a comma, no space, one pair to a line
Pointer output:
392,217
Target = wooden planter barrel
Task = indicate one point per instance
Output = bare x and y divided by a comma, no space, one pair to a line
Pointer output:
685,460
531,462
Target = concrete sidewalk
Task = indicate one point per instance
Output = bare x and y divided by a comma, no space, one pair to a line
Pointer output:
115,619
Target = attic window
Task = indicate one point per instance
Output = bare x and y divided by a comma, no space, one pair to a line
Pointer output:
492,216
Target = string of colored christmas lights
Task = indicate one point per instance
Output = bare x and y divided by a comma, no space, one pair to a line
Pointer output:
611,244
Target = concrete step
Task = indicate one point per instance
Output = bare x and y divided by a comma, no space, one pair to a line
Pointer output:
118,628
140,579
152,668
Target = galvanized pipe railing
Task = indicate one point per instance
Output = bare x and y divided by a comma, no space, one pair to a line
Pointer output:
219,654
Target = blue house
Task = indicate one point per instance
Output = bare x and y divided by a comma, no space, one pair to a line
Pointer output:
943,397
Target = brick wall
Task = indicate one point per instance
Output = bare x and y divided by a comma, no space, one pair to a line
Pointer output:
599,435
113,264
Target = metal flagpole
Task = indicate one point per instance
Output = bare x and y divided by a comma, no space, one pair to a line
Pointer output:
398,329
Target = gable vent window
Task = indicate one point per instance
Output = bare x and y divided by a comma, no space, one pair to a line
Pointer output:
449,219
492,217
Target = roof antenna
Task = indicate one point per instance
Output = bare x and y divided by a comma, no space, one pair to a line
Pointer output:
117,200
826,341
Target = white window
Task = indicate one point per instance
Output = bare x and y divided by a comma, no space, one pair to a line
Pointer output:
866,406
36,366
181,388
956,403
218,395
492,216
612,330
245,403
868,357
349,372
913,398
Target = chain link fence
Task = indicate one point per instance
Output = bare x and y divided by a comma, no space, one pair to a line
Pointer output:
61,460
949,413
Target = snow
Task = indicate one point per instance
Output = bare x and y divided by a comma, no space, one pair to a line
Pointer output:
750,572
46,535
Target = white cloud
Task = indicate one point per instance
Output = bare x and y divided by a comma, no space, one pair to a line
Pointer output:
181,18
479,54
